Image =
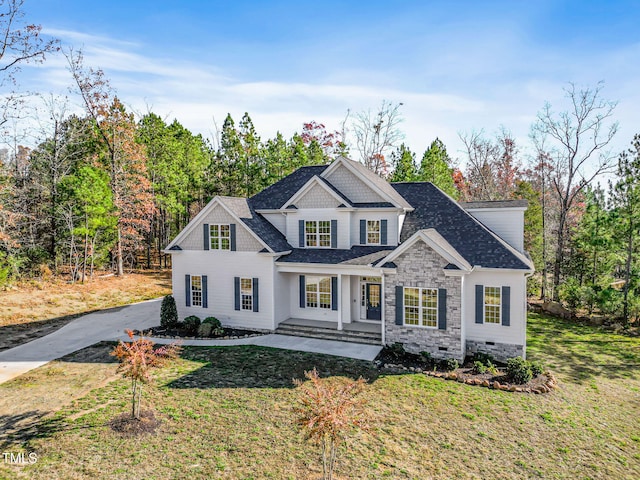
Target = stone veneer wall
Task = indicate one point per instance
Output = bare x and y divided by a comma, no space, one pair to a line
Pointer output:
499,351
422,267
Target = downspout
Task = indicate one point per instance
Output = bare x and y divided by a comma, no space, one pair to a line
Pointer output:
524,316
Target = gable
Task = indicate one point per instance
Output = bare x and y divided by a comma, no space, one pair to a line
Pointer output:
317,197
245,242
421,262
353,187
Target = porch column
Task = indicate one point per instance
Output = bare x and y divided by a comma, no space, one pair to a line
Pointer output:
340,301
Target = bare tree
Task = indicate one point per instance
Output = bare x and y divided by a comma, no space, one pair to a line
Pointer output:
377,134
575,143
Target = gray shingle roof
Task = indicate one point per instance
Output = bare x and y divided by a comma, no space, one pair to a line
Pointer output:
276,195
257,223
435,209
358,255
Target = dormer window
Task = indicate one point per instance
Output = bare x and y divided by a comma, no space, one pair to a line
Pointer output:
220,237
317,233
373,232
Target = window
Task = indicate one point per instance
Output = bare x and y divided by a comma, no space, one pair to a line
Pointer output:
421,306
492,301
246,294
196,291
220,237
373,231
317,233
318,292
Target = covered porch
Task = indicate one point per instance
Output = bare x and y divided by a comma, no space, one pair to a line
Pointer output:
357,332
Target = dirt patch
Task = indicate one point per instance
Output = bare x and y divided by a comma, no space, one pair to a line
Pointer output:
36,308
129,426
227,333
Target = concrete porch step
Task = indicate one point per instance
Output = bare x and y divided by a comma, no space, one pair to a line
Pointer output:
370,338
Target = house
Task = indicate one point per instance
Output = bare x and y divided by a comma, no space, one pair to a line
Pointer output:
337,252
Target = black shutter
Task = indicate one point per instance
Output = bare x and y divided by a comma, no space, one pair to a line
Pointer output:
334,234
506,306
205,236
383,232
334,293
236,292
363,232
205,301
303,292
187,290
255,295
301,234
479,304
442,308
399,305
232,234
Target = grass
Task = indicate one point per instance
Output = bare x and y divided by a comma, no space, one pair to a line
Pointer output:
227,414
37,308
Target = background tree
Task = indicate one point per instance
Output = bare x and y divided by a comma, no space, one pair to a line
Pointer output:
403,162
436,167
574,141
376,134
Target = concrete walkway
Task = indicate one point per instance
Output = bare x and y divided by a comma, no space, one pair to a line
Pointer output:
110,325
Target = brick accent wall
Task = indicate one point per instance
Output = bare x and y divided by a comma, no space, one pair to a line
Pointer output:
499,351
423,267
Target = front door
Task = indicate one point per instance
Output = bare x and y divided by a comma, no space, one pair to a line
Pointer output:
372,298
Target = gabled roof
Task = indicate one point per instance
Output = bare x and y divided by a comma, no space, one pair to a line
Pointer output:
470,238
276,195
359,255
374,181
322,183
240,209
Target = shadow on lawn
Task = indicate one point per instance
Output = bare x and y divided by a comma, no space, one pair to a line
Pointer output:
262,367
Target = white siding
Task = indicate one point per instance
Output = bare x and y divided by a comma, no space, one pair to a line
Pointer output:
344,233
281,288
221,268
278,220
507,223
392,225
515,333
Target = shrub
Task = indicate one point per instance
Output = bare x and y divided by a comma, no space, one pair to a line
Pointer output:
491,368
478,367
449,364
216,326
571,293
536,368
519,370
427,358
484,358
191,324
204,330
168,312
397,350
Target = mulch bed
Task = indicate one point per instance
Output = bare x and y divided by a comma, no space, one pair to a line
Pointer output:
227,334
128,426
394,361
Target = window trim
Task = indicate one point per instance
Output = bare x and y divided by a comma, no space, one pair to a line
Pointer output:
218,237
246,296
317,235
191,291
379,232
318,292
485,305
421,308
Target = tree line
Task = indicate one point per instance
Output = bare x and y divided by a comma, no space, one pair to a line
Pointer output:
107,189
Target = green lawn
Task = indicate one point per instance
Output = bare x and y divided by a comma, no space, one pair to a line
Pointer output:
227,414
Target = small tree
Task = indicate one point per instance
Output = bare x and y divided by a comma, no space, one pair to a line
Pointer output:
327,412
137,358
168,312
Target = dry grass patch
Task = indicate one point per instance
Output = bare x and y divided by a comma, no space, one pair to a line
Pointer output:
36,308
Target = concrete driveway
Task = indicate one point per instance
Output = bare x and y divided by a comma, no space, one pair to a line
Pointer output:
110,325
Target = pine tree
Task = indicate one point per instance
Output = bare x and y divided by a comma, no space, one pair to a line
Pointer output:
436,167
403,161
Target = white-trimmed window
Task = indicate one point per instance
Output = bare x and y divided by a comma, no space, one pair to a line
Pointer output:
421,307
373,232
220,236
196,290
492,302
246,294
318,292
317,233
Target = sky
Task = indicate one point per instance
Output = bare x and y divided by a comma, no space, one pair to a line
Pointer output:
456,66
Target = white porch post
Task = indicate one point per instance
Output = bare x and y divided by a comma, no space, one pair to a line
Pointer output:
382,306
340,301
